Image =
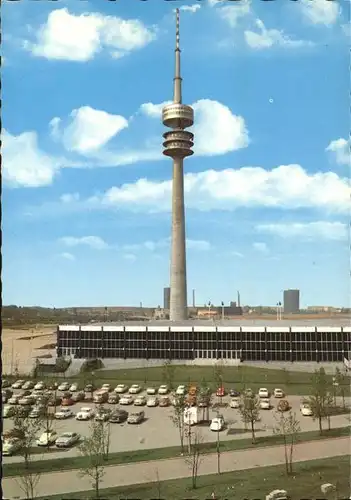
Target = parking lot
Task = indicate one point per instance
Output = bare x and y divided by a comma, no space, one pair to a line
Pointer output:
158,431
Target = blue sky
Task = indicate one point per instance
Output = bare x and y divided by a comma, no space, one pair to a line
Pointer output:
86,189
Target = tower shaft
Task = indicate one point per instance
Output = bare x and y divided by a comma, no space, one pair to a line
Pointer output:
178,300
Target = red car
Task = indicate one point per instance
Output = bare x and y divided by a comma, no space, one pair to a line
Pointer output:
220,392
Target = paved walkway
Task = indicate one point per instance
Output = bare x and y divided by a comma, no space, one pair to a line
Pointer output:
144,472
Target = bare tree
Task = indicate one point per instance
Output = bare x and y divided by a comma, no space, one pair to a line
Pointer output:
320,398
218,376
288,427
93,449
206,396
194,458
178,418
158,484
168,373
340,382
249,410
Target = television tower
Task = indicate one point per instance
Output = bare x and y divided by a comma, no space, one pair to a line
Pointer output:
178,143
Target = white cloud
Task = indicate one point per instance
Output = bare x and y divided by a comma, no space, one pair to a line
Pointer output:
80,38
237,254
70,197
198,245
217,130
260,247
284,187
92,241
129,256
54,127
320,11
24,164
67,256
340,148
267,38
90,129
152,246
235,11
310,230
190,8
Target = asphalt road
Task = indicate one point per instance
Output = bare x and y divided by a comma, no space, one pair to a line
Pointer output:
122,475
157,431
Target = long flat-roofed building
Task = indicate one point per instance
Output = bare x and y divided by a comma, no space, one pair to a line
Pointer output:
250,340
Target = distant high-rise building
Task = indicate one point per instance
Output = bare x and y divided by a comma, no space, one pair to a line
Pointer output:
291,301
166,298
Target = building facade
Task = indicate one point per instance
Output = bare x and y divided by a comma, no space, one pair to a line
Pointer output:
166,298
247,343
291,301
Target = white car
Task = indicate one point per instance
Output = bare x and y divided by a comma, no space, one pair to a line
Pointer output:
39,386
18,384
106,387
121,388
14,399
73,387
47,438
263,393
181,390
134,389
234,403
152,402
11,445
140,401
217,424
151,390
127,399
64,386
163,389
265,404
85,413
63,413
278,393
306,410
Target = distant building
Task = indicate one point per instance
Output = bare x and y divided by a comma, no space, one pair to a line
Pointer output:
166,298
291,301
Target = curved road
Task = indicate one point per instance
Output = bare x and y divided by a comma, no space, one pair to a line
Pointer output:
144,472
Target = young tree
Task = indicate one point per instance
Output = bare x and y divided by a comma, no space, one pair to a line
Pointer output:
218,376
320,398
250,412
168,373
178,418
194,458
340,381
93,449
206,396
288,427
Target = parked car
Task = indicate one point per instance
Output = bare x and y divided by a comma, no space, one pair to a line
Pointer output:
217,423
151,390
283,405
18,384
202,402
265,404
118,416
5,383
134,389
39,386
85,413
278,393
64,386
78,396
106,387
29,384
67,439
181,390
121,388
14,399
127,399
103,414
233,393
151,402
47,438
89,388
67,401
163,389
73,388
11,446
164,401
140,401
248,393
100,397
113,398
26,400
234,403
63,413
306,410
136,417
263,393
23,411
8,411
37,411
220,392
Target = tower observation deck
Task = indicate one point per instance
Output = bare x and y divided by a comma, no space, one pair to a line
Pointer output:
177,145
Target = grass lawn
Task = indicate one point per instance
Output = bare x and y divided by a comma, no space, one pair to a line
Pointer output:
298,383
251,483
69,463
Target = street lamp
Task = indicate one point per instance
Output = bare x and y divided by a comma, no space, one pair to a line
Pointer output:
222,304
209,309
55,395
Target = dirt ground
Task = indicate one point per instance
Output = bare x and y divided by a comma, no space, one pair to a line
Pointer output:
20,347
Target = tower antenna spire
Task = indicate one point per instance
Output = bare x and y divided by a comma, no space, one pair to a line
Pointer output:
177,93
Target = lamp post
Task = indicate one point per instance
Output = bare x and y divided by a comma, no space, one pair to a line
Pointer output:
92,385
222,304
209,309
55,395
